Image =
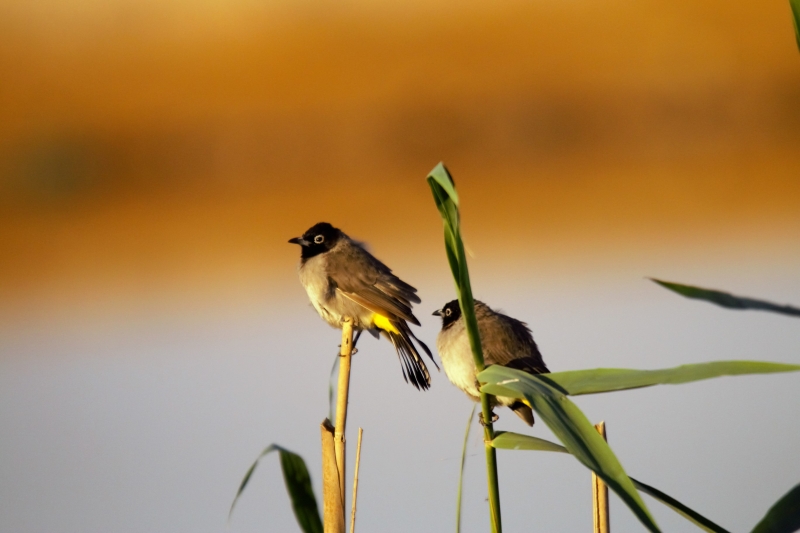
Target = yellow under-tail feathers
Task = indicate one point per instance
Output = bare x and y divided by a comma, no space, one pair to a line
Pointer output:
381,322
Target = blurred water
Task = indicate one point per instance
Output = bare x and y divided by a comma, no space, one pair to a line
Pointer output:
149,425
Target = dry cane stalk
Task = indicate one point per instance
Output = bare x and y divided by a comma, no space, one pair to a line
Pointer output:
332,507
333,473
343,392
600,495
355,482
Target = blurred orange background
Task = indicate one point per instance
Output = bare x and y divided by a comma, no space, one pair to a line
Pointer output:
147,145
155,157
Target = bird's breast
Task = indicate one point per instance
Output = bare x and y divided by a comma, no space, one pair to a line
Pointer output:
457,360
314,278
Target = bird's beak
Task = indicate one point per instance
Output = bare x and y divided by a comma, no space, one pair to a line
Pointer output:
299,240
438,312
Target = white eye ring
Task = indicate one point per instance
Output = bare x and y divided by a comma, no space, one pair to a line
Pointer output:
448,312
319,239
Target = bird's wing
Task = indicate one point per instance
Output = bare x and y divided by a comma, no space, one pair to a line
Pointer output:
368,282
510,344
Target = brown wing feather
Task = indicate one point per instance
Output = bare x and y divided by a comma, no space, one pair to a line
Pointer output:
377,303
367,281
508,342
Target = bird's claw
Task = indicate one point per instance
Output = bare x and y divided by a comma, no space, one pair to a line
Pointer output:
495,418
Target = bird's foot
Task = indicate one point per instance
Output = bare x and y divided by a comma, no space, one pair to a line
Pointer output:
352,352
495,418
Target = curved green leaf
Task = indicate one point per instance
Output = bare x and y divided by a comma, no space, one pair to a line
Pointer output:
506,440
446,198
693,516
442,176
596,380
796,12
332,384
461,470
725,299
515,441
298,485
572,428
784,516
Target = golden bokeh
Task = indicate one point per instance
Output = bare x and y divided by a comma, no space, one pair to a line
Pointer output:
152,145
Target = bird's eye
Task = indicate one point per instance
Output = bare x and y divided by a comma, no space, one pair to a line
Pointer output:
319,239
448,312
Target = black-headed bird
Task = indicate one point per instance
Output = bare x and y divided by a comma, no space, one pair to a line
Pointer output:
343,280
505,341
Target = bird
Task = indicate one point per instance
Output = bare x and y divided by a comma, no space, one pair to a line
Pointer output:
505,341
343,280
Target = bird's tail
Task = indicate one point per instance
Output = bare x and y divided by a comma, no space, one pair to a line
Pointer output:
523,411
414,369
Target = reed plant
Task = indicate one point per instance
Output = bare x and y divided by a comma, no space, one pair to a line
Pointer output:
548,394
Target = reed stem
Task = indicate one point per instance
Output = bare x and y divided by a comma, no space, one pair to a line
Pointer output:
342,395
600,495
332,508
355,482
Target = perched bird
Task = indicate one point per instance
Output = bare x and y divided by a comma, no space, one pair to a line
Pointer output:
343,280
506,341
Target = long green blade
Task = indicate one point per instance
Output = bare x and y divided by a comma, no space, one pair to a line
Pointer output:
515,441
461,471
572,428
332,384
725,299
693,516
796,12
592,381
506,440
784,516
298,485
446,198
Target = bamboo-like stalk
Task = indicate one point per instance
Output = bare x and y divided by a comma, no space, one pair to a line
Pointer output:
332,507
491,467
600,495
342,395
355,482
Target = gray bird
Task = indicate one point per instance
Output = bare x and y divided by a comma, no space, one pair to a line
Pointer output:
343,280
506,341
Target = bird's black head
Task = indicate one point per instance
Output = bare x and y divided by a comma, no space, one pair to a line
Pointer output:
449,313
318,239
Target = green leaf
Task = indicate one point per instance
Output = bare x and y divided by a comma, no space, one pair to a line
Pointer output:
784,516
442,176
572,428
592,381
332,384
796,12
505,440
446,198
515,441
693,516
725,299
298,485
461,471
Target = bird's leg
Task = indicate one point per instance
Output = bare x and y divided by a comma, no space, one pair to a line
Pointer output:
355,340
495,418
